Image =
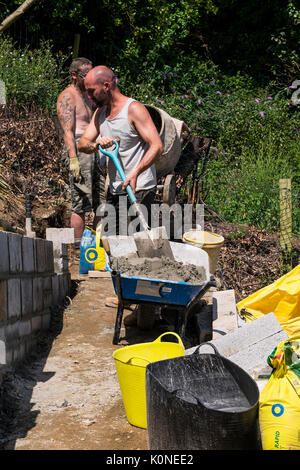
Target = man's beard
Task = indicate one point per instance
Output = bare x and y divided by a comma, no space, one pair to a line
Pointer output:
99,102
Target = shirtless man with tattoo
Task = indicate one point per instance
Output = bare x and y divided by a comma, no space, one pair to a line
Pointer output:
87,178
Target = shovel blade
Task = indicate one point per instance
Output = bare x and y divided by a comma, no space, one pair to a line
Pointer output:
153,243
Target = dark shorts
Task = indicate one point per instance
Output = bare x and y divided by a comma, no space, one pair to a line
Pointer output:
89,193
122,203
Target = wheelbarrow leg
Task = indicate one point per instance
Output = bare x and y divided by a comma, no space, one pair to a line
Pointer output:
118,324
120,310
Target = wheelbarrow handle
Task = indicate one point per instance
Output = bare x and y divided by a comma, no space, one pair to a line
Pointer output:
114,157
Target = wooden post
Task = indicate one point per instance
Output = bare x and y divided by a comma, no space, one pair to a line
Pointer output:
76,45
286,221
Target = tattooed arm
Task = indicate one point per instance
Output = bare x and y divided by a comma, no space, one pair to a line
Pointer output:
66,116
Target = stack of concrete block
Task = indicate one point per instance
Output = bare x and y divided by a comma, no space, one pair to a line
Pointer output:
250,345
29,288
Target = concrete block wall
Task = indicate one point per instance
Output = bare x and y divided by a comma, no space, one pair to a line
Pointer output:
30,287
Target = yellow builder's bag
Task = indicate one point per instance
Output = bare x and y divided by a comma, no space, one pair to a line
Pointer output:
282,297
279,402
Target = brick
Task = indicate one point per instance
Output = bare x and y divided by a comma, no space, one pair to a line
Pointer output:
14,298
27,296
28,255
15,252
3,301
37,294
4,258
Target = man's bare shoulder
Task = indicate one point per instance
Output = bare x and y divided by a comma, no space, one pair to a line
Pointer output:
137,109
66,95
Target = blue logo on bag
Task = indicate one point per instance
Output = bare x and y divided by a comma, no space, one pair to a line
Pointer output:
277,409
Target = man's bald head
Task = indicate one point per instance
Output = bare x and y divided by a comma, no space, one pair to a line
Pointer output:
100,74
100,84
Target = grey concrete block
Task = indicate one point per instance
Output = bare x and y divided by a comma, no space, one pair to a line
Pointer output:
3,301
254,357
224,303
15,253
27,296
250,345
37,296
14,298
2,352
60,253
24,328
46,320
55,290
36,323
22,350
49,256
47,292
40,255
4,258
61,235
11,332
28,251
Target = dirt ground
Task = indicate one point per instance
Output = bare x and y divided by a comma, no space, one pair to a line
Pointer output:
66,396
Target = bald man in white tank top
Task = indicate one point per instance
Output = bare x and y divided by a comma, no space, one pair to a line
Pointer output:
121,117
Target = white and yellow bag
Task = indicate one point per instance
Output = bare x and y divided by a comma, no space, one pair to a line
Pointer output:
279,402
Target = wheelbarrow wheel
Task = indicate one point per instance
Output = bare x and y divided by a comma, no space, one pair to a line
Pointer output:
169,190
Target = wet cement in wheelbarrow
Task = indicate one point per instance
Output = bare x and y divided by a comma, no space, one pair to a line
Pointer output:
159,268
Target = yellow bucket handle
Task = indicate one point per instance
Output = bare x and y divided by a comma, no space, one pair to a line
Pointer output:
168,333
138,357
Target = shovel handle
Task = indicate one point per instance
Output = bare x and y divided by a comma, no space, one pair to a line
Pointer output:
114,157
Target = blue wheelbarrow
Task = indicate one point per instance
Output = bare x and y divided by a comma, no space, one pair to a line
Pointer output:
180,297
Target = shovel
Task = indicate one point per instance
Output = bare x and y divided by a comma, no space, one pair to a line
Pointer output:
150,242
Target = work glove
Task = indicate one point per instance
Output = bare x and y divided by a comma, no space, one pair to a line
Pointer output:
74,168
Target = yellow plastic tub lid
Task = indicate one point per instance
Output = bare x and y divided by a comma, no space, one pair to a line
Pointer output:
200,236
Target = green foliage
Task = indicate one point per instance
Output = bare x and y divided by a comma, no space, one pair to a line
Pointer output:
222,67
31,76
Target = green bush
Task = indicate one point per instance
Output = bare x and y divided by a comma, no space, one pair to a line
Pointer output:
31,76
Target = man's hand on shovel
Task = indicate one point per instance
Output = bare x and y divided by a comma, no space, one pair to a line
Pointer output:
106,142
131,180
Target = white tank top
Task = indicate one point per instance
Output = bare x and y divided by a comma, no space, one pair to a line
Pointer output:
132,150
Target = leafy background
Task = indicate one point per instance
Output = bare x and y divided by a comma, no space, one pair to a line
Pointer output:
225,68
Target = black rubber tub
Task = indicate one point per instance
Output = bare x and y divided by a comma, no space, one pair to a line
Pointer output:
201,402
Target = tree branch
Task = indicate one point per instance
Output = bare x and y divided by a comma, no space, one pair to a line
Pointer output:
16,14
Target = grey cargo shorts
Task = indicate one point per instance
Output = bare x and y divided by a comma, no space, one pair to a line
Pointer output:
88,193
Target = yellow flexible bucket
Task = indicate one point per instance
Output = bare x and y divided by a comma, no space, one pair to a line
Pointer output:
209,242
131,362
